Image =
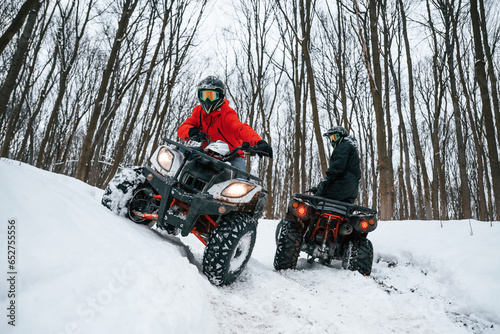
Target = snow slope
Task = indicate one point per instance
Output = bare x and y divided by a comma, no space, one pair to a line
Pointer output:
81,269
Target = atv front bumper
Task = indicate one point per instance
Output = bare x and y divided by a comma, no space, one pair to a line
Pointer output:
199,203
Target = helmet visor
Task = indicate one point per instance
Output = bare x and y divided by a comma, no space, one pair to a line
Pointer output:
334,137
212,95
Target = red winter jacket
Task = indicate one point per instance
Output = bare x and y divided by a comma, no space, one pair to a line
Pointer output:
221,124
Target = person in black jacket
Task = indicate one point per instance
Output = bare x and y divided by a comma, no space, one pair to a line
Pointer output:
342,178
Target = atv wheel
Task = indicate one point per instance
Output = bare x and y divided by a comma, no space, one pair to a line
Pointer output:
141,201
122,190
358,256
288,245
229,248
278,230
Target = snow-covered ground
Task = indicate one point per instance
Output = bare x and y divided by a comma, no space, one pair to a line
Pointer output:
81,269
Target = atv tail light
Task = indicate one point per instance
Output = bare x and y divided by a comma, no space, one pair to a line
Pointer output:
295,205
301,210
371,221
364,224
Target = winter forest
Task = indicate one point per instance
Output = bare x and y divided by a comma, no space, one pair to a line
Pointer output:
90,86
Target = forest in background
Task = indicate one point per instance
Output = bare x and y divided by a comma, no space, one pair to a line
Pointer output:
91,86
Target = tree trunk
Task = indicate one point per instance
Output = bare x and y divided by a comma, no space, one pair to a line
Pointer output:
464,192
415,131
385,174
10,80
387,59
483,211
16,23
439,91
405,172
298,86
486,104
130,122
491,68
306,44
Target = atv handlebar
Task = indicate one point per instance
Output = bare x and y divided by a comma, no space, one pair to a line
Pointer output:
205,139
251,150
194,151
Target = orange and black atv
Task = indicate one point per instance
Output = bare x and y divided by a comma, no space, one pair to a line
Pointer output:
190,190
326,230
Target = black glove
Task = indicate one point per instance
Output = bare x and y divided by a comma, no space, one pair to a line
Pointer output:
320,189
245,145
313,190
195,134
263,146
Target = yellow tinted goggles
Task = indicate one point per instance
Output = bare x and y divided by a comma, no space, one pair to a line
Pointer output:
212,95
335,137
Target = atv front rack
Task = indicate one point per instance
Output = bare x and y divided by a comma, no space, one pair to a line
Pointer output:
326,204
218,162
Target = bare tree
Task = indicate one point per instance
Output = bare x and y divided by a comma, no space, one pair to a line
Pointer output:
483,213
305,17
405,177
374,69
9,83
491,67
486,102
447,10
83,163
258,79
17,23
67,59
296,78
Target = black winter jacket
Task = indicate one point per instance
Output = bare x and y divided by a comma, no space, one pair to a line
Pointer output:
342,177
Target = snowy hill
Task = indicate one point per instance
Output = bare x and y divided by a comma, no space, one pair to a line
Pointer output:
81,269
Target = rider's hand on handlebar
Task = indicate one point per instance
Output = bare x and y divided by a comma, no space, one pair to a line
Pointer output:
313,190
195,134
262,145
321,188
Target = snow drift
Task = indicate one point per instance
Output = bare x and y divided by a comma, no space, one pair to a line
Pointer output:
82,269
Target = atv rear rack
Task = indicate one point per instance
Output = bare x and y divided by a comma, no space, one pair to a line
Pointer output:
343,208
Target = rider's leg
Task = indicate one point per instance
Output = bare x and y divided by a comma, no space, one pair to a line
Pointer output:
239,163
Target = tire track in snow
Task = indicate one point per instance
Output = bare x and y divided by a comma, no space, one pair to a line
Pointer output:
398,297
422,283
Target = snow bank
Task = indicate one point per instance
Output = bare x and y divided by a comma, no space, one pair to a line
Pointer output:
82,269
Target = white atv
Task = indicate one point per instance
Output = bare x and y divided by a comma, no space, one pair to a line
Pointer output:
189,190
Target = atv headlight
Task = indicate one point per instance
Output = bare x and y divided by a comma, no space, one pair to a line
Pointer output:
165,159
237,189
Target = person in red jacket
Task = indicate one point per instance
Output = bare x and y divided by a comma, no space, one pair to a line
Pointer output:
215,118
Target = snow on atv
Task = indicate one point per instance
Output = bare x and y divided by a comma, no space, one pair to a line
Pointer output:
326,230
196,191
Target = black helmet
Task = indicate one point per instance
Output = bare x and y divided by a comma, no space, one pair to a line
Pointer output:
335,135
211,93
